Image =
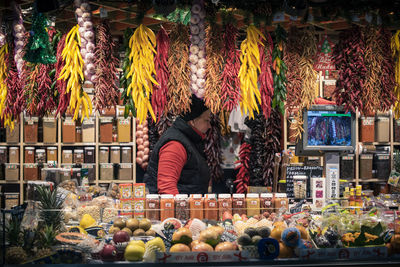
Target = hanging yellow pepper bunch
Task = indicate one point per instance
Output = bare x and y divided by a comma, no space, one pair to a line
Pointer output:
395,44
248,73
142,45
72,73
3,86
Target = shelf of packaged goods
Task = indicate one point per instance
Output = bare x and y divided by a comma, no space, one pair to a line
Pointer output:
9,144
116,144
78,144
40,144
114,181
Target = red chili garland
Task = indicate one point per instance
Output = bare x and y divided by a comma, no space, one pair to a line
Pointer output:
230,83
160,92
243,177
265,79
106,89
14,87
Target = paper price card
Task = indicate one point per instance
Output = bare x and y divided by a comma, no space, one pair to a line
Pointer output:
225,256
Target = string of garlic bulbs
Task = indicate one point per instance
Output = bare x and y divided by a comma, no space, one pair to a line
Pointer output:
197,56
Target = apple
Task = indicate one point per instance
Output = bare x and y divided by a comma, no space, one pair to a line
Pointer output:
121,237
108,253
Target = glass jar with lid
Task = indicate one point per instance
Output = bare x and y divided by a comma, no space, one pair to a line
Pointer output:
281,202
182,207
211,207
167,207
266,202
196,206
224,204
153,207
253,204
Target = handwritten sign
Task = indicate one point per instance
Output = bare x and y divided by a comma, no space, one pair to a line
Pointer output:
343,253
225,256
323,60
308,171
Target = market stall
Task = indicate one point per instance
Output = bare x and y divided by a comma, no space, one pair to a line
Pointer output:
301,149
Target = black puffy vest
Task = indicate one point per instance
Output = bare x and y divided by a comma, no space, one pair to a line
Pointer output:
195,173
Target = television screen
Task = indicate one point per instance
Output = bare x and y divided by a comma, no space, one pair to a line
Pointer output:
328,128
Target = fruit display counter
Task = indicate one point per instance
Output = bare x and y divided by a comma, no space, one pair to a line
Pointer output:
78,225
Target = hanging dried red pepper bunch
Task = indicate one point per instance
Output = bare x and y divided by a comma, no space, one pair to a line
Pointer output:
179,93
265,79
15,98
159,98
213,149
349,56
387,66
230,83
105,87
272,133
61,84
214,45
164,123
243,176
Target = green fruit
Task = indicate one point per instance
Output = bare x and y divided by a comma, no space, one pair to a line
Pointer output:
150,233
139,232
145,224
251,231
134,253
264,231
244,240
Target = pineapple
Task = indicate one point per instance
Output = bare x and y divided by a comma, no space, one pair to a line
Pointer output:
50,206
15,254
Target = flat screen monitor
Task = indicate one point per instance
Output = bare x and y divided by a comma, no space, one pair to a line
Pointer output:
327,128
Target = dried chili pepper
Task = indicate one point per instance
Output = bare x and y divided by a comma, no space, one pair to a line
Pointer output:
213,149
243,176
279,68
61,84
265,78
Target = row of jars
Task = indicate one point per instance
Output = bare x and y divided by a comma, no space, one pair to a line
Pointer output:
211,206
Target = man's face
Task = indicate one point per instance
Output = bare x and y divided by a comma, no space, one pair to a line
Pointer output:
202,123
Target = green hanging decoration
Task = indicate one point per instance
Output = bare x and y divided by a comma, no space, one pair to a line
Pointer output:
38,49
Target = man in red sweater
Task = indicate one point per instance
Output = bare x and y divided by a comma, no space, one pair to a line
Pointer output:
177,164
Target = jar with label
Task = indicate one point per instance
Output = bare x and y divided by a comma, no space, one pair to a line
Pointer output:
382,128
182,211
281,201
196,206
76,175
68,131
49,130
106,171
29,155
31,130
126,155
266,202
12,172
167,204
115,133
124,130
239,204
78,156
13,155
78,134
91,171
65,174
106,125
224,204
31,172
125,171
104,154
367,129
12,136
52,155
67,156
88,130
11,200
152,207
108,112
40,156
115,154
253,204
90,156
3,154
211,207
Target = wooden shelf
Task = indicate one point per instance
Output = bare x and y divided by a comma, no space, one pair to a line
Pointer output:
78,144
39,144
291,144
9,144
117,144
396,143
9,182
376,143
370,180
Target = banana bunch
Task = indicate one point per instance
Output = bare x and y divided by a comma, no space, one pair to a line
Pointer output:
249,69
141,56
395,45
72,73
